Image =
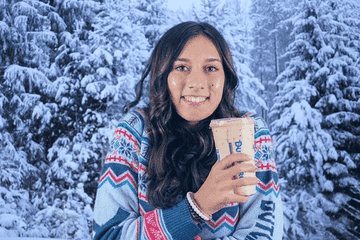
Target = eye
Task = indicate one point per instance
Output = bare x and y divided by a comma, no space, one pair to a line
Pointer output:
211,69
181,68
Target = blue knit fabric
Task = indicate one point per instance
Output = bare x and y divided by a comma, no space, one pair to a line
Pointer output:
123,212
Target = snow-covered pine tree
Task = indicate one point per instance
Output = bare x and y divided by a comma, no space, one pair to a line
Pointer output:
233,24
271,36
315,175
95,74
67,187
25,110
154,22
156,19
337,80
119,52
59,81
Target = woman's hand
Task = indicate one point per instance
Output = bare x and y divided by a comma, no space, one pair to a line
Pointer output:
218,188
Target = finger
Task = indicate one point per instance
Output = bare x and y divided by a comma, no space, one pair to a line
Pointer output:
235,157
243,182
245,190
235,198
239,169
243,167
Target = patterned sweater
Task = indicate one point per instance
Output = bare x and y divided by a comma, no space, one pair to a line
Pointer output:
123,212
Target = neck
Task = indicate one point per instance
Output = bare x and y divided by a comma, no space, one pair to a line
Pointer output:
193,123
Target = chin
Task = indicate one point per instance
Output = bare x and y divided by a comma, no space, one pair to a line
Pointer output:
192,118
195,113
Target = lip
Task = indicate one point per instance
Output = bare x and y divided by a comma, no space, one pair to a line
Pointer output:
195,103
194,96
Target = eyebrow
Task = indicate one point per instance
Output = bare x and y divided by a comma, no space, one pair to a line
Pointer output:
207,60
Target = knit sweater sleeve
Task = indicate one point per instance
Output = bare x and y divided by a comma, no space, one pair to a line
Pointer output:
118,213
261,217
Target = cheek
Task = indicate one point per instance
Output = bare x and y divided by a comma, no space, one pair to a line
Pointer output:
174,86
218,86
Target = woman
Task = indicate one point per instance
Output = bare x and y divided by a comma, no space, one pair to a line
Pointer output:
161,178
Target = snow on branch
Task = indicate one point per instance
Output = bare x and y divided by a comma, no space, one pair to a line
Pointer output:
23,8
104,72
101,54
43,112
4,31
108,91
55,18
2,122
340,118
3,101
46,37
41,7
21,79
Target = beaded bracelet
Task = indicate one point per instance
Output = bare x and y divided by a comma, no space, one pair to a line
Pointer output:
195,207
197,219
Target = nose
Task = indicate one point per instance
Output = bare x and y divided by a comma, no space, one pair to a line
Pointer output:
196,80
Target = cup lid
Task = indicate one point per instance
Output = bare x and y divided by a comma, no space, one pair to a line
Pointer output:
227,122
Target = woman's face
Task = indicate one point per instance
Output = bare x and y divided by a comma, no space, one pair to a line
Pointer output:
197,79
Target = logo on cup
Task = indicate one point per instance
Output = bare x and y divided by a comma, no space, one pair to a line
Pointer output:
238,145
218,154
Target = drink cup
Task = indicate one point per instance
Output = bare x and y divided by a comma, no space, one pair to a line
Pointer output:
235,135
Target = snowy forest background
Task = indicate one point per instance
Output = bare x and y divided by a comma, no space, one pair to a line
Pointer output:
68,66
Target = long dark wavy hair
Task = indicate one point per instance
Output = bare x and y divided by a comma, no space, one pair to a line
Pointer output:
181,155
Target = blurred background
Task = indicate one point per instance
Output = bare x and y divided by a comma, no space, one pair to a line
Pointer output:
67,67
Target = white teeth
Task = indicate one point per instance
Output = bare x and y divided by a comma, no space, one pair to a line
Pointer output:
195,99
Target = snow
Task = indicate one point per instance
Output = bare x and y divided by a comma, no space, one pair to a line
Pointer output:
19,238
309,141
63,98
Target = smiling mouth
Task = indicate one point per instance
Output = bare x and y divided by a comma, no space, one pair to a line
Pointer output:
195,101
